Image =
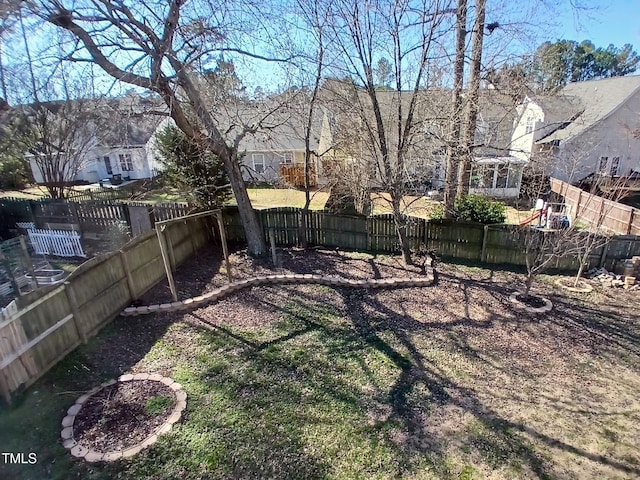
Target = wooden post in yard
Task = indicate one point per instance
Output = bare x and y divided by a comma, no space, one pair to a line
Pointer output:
127,272
225,249
165,259
483,255
272,242
75,311
25,251
7,267
4,388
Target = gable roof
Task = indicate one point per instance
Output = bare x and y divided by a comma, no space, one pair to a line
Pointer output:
432,117
580,105
115,122
133,120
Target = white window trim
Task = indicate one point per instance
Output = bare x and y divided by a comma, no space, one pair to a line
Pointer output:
125,162
602,164
615,162
529,125
494,170
290,156
260,158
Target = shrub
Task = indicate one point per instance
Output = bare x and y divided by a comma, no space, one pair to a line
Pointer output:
476,208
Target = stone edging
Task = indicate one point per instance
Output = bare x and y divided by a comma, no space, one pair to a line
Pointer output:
586,289
518,304
81,451
221,292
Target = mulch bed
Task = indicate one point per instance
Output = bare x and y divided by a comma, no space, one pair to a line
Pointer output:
532,301
206,271
116,417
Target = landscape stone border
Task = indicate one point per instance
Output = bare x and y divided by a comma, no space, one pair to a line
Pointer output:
585,289
297,278
518,304
86,453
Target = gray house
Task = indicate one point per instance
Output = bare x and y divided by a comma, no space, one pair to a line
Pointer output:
586,128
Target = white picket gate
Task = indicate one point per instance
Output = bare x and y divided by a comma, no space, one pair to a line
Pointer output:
56,242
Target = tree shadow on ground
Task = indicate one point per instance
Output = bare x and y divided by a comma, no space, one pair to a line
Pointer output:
444,390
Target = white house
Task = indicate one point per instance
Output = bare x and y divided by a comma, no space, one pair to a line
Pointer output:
118,139
586,128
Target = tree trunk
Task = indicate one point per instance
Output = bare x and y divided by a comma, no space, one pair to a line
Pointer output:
401,228
527,285
468,137
256,245
583,262
453,148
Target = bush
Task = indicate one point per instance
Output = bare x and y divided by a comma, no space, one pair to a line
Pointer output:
476,208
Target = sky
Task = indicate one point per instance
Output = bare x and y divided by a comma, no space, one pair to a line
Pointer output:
610,21
603,22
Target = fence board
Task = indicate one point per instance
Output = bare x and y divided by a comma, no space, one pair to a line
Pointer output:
53,321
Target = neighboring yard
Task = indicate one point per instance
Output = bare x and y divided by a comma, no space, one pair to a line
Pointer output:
304,382
272,197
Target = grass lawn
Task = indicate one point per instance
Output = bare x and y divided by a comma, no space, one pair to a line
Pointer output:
305,382
29,193
262,198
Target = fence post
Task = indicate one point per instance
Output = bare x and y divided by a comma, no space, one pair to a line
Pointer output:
7,267
165,258
191,240
73,303
579,204
603,256
225,249
169,246
272,241
4,388
485,235
127,271
25,252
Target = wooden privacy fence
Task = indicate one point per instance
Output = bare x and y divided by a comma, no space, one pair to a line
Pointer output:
52,321
592,209
88,216
492,244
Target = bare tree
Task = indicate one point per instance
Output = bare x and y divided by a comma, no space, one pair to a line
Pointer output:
408,34
57,137
161,48
8,15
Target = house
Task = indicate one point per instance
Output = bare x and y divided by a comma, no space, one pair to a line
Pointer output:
270,137
275,153
587,128
90,140
128,147
494,171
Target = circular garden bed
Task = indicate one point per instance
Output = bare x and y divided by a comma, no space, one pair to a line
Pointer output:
121,417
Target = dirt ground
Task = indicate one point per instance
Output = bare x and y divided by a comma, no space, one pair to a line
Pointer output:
558,391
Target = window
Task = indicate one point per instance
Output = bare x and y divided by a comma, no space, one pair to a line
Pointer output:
287,157
497,175
107,165
613,168
602,167
503,172
482,176
529,125
515,173
258,162
126,164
